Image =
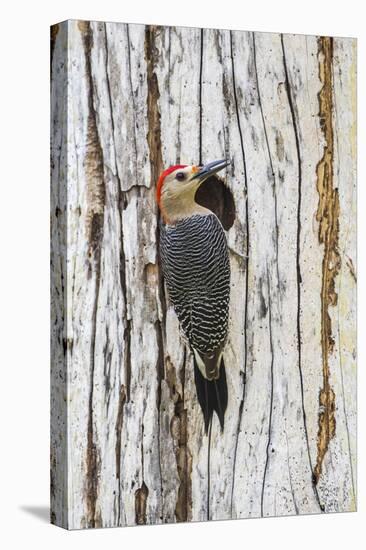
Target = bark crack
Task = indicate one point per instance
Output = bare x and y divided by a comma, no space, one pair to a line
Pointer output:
269,157
328,217
271,394
298,248
122,201
209,470
94,231
156,166
132,93
142,492
349,264
119,424
124,395
241,406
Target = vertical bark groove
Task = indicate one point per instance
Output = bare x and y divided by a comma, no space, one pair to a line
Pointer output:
271,396
94,229
298,268
119,424
156,166
184,463
209,470
269,157
179,434
247,246
327,215
132,92
153,114
122,259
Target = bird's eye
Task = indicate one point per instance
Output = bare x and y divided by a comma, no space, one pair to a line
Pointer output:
180,176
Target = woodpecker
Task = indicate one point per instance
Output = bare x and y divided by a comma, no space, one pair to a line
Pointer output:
195,265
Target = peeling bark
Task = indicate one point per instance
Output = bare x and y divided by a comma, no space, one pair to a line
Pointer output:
328,217
141,496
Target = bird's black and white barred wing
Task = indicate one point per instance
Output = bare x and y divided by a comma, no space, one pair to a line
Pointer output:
196,269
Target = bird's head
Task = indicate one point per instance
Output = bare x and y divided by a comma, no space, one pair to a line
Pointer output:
177,186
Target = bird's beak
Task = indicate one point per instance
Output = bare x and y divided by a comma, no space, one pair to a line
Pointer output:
211,168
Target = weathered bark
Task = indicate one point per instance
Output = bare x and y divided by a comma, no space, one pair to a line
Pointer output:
59,342
128,443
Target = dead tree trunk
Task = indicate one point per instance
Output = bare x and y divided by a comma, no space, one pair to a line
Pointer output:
128,443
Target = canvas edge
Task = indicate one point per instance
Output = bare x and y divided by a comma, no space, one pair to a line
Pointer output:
59,513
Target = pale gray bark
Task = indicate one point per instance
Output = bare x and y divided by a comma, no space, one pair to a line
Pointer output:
128,443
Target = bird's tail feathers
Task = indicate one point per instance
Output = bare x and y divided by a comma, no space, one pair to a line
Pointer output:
212,394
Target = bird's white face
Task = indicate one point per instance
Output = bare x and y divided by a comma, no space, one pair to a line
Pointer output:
177,189
177,194
179,183
180,179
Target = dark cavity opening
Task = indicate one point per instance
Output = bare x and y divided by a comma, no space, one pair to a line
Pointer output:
215,195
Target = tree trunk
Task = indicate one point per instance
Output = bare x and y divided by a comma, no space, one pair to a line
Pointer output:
128,443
